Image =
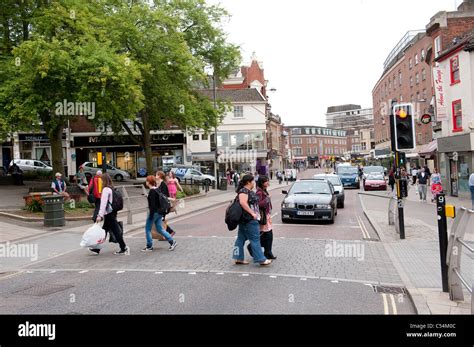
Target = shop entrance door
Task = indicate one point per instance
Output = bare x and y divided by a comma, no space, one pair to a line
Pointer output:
453,174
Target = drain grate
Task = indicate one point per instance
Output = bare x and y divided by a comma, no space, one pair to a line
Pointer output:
43,290
390,290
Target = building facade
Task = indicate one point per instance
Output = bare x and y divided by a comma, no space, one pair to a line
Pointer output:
312,146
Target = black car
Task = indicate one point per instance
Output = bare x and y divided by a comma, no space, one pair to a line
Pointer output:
310,200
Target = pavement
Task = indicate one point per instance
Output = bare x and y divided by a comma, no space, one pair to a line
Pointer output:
417,258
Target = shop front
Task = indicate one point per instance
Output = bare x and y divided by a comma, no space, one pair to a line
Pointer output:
122,153
456,162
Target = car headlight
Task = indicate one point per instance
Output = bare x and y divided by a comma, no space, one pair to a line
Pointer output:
289,205
325,206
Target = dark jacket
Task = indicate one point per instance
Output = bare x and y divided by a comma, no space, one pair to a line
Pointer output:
423,180
153,202
163,189
264,201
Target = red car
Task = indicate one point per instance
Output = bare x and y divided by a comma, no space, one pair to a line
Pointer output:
375,182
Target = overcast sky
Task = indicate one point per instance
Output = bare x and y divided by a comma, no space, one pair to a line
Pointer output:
319,53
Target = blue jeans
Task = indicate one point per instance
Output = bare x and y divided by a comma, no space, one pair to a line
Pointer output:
157,220
249,231
472,195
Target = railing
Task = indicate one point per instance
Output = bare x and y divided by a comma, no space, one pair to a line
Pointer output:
129,201
463,222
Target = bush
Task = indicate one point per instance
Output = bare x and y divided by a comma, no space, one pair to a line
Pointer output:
30,175
35,204
180,195
83,205
191,190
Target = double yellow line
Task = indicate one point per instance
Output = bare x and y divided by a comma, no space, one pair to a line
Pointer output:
365,233
386,309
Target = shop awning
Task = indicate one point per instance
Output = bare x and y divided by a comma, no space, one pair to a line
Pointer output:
429,148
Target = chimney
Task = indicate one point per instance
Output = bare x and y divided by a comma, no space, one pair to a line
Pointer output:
466,6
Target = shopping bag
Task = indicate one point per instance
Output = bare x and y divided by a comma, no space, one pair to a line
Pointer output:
93,237
155,234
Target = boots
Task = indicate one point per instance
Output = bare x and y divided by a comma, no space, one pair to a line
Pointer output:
267,241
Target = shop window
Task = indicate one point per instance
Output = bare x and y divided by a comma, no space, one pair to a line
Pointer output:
204,137
195,137
457,115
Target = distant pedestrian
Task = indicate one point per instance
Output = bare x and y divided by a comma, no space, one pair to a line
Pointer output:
154,217
391,179
265,206
249,228
414,175
17,174
422,184
436,187
95,188
236,178
227,176
471,187
109,216
271,174
280,177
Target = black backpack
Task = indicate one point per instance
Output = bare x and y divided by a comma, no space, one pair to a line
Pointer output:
233,214
163,203
117,200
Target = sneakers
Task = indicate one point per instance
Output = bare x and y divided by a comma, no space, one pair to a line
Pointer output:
173,246
126,251
94,251
147,249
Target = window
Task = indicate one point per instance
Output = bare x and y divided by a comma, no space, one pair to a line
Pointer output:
195,137
238,111
296,131
411,81
296,141
410,63
425,95
400,78
437,44
297,151
417,78
420,138
457,115
423,75
418,96
416,59
423,55
394,84
204,137
454,64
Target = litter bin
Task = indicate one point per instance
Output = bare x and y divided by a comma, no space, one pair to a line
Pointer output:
223,184
54,211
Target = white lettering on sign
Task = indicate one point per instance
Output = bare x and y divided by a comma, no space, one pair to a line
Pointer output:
441,109
93,139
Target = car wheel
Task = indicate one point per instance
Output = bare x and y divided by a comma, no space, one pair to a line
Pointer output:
284,220
119,177
335,211
341,204
333,219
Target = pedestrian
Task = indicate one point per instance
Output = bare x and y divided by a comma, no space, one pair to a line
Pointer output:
427,171
162,187
414,174
173,186
81,181
95,188
422,184
17,174
280,177
249,228
265,208
256,175
391,179
236,178
227,176
154,217
109,216
436,186
59,187
471,188
271,174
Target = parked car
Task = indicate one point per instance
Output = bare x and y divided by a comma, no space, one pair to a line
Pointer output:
375,181
31,165
183,173
349,176
373,170
91,168
337,184
310,200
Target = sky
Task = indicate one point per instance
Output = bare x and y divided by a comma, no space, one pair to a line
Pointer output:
320,53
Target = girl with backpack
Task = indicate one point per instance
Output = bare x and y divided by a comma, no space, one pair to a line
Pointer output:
155,215
162,187
265,206
249,228
109,216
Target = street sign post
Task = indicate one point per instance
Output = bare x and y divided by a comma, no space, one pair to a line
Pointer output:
443,238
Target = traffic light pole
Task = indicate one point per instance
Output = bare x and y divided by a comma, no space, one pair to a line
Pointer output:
401,216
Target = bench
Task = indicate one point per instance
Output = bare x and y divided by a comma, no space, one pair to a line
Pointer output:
38,192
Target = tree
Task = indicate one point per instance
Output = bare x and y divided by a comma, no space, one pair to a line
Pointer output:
66,55
176,54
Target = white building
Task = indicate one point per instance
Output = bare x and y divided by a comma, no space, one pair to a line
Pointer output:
454,87
241,136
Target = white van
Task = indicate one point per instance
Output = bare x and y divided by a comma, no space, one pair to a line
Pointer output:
31,165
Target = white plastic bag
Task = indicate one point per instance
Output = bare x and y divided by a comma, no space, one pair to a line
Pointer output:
93,237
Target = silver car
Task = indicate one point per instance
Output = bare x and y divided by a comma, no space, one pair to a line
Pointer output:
338,186
91,168
31,165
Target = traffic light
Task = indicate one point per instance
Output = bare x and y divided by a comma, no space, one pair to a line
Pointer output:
404,127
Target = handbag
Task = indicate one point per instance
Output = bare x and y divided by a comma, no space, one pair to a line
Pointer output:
155,235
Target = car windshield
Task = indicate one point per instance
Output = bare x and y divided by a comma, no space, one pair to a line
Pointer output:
310,187
347,170
333,179
375,177
370,169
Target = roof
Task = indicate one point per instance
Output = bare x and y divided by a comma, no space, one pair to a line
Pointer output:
234,95
466,41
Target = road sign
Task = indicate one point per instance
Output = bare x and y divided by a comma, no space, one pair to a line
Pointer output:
425,119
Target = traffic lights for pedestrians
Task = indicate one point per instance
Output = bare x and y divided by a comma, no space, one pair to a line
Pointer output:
404,127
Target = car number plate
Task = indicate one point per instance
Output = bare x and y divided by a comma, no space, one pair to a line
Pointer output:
375,185
305,213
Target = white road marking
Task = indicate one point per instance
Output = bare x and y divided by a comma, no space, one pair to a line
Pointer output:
394,305
273,216
273,277
385,304
365,234
245,275
120,272
303,279
335,281
214,237
191,273
83,271
190,235
52,272
219,273
158,273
